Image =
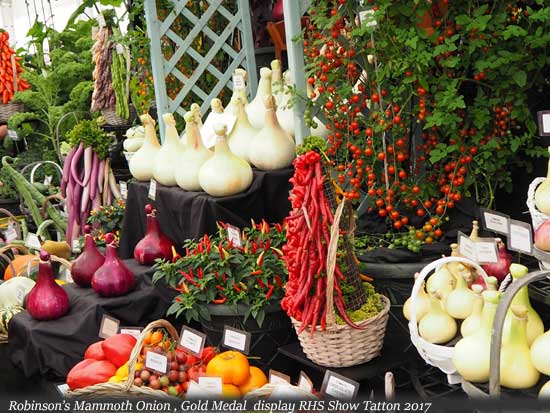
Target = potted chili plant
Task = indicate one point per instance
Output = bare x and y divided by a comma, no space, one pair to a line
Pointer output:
220,284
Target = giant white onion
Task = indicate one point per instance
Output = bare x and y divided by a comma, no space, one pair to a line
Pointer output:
256,109
437,326
169,154
142,163
542,194
422,303
472,323
243,132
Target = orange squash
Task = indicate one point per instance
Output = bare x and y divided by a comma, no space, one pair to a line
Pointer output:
20,263
231,366
256,380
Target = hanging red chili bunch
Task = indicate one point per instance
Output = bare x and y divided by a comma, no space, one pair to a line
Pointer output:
305,251
10,70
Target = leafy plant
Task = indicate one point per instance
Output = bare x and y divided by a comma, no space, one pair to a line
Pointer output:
214,271
427,102
106,219
91,134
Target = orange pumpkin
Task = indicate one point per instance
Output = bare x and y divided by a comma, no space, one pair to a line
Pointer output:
231,366
256,380
230,391
20,263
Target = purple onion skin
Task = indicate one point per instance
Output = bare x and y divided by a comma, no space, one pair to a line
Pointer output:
154,244
87,263
501,268
113,278
47,300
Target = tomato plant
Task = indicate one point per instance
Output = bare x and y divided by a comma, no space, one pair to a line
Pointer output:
429,105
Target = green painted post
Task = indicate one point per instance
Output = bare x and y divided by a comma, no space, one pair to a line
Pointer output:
295,51
156,62
248,44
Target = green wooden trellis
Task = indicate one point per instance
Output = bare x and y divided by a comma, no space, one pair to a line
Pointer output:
163,67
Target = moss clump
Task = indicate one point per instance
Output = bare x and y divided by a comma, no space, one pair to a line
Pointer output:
372,306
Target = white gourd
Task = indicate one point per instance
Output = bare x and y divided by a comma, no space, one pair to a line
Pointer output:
272,148
540,353
14,290
256,109
542,194
442,280
277,86
422,304
195,109
516,368
168,157
243,133
535,327
544,393
216,115
472,323
238,93
134,139
142,163
460,301
224,174
437,326
194,156
471,357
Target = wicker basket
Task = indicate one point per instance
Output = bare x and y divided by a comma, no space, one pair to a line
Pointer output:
123,390
537,217
342,345
436,355
112,119
265,392
493,390
9,109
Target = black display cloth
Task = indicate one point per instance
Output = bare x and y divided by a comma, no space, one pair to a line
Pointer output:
52,348
186,215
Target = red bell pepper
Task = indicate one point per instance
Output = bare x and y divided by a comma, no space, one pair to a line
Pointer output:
117,348
95,351
89,372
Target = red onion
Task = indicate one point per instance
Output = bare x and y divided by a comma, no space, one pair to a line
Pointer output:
88,262
113,278
479,281
501,268
154,244
47,300
277,13
542,236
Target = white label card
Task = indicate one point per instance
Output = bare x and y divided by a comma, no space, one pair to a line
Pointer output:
76,245
466,247
238,82
153,189
132,331
211,384
13,135
495,221
546,123
234,235
10,234
109,326
276,377
101,20
305,383
63,389
156,362
32,241
196,392
236,339
48,180
486,251
521,237
366,17
123,189
192,340
338,386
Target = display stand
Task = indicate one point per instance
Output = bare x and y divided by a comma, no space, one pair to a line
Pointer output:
189,215
52,348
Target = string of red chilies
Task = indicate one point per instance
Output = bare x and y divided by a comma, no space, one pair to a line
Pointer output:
305,251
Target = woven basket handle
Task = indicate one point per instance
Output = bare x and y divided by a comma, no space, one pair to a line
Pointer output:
139,344
331,262
13,219
67,264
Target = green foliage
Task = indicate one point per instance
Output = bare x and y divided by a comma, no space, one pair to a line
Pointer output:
90,134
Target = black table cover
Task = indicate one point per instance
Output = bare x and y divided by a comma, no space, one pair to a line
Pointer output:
52,348
189,215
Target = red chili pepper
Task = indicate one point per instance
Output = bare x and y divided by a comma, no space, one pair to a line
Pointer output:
236,288
269,291
220,300
200,273
278,281
261,283
254,247
186,251
279,227
220,250
219,287
260,259
190,279
224,278
267,244
256,272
